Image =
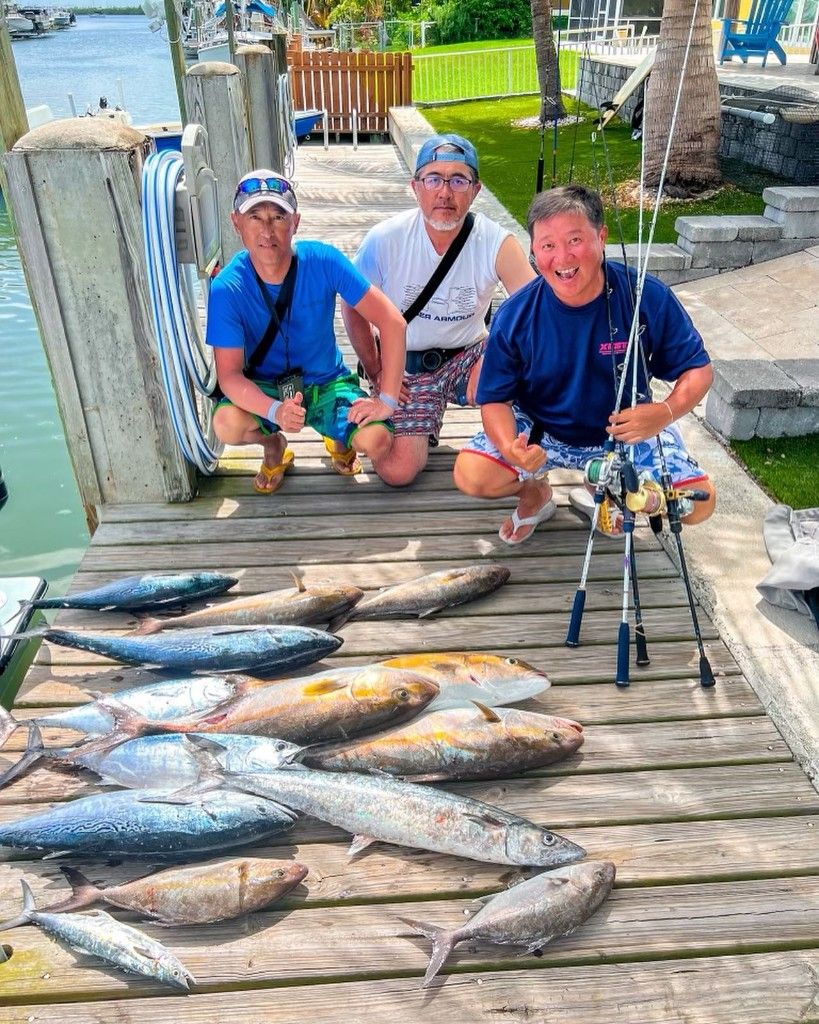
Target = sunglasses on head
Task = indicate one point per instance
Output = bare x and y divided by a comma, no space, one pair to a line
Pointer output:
254,185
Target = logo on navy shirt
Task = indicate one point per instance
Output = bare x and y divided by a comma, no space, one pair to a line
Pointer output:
618,347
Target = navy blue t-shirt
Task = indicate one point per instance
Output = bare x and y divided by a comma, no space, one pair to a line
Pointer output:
557,362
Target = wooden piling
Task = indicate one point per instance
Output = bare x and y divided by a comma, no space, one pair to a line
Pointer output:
177,54
13,120
215,98
74,187
261,68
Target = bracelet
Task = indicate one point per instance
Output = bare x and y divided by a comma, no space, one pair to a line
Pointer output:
388,400
275,405
671,411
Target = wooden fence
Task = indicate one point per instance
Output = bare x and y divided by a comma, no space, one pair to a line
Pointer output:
340,83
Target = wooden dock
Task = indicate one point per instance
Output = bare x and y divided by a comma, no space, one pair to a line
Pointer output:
693,794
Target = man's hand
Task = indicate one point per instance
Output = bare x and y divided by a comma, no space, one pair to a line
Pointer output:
375,385
639,422
524,455
368,410
290,414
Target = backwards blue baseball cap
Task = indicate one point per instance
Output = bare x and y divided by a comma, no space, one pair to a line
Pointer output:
447,147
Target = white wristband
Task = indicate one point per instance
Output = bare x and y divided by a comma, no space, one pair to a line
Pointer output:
275,405
388,400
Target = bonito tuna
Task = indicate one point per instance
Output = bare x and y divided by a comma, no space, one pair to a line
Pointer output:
202,894
131,824
261,649
428,594
101,935
296,606
459,743
529,914
153,590
392,811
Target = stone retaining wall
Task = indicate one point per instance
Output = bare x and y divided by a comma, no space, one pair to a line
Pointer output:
758,398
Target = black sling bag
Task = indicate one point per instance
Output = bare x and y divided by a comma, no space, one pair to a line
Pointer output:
278,312
440,272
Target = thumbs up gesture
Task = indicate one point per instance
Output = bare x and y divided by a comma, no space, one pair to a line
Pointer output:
290,415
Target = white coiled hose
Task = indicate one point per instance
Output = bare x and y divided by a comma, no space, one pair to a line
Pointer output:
287,126
183,355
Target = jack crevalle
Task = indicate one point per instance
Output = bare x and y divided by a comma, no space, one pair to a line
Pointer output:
101,935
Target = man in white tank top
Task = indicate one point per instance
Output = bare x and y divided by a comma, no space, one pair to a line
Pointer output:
447,336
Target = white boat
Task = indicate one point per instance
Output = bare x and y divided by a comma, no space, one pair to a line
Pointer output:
16,23
61,18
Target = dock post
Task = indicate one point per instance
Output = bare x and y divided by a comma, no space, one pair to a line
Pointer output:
215,98
261,67
74,187
13,120
174,30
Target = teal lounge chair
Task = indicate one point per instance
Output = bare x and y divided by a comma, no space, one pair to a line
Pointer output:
758,36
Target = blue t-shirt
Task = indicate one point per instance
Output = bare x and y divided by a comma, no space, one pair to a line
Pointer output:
238,314
557,362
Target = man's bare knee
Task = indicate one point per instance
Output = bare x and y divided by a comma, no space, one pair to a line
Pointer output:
702,510
479,478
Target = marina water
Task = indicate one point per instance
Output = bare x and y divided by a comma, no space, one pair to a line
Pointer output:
42,527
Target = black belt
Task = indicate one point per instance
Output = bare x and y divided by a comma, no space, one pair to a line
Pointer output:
431,359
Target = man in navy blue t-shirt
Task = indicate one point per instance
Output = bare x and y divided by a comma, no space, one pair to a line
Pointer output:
554,355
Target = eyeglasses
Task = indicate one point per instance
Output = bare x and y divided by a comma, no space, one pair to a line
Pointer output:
458,182
253,185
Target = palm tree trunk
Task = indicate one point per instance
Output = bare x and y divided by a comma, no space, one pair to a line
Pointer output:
548,70
693,162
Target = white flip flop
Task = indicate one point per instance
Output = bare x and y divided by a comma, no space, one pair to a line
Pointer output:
583,501
543,513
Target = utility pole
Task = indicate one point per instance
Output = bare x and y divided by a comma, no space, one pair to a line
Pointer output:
177,54
13,120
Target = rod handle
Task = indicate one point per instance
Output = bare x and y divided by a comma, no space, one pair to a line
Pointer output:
573,632
707,679
622,655
641,645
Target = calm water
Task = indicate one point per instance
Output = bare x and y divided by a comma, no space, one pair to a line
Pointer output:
42,527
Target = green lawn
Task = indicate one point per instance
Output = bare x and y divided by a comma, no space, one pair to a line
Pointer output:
785,467
509,158
483,44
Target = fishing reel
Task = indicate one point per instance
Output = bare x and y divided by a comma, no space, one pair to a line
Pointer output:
639,492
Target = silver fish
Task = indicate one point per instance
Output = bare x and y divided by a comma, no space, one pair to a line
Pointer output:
300,606
153,590
460,743
392,811
101,935
201,894
428,594
129,823
259,649
529,914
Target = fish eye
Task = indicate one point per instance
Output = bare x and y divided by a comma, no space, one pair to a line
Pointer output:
281,745
278,873
401,694
511,661
549,839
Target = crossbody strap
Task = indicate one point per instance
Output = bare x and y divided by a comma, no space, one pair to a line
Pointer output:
443,268
278,313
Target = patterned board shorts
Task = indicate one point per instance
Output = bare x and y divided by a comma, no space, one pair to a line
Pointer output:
326,407
429,393
683,469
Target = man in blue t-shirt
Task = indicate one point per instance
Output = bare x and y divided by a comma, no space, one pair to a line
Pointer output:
553,358
277,361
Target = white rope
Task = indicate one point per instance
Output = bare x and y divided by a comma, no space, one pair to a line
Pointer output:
183,356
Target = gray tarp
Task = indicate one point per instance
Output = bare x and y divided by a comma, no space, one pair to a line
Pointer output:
792,539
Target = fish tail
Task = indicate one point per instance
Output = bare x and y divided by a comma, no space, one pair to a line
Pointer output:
34,752
83,892
28,634
25,914
443,942
147,626
8,725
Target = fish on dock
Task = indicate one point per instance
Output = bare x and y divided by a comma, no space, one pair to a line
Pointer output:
457,743
152,590
492,679
263,650
380,808
327,706
200,894
161,763
428,594
101,935
299,606
528,914
129,823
